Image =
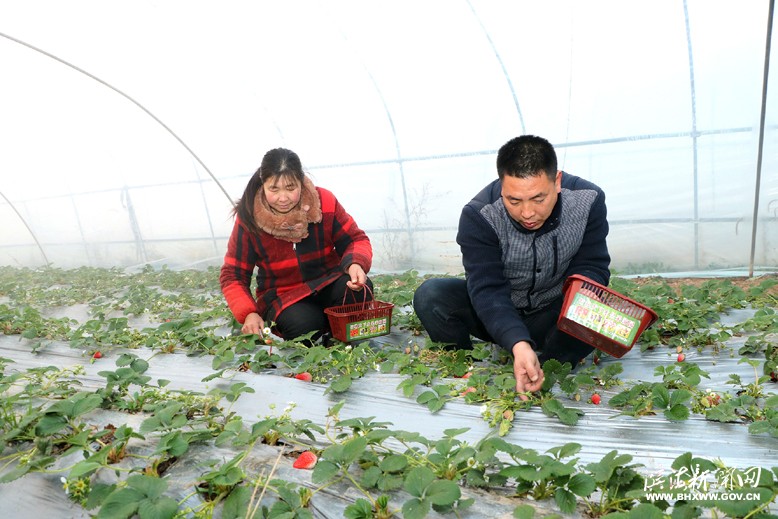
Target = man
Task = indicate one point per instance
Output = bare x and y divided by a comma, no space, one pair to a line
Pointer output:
521,237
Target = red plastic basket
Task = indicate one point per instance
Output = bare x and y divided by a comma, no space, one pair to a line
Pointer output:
356,321
601,317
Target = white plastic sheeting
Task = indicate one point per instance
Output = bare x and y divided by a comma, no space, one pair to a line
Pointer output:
128,128
653,441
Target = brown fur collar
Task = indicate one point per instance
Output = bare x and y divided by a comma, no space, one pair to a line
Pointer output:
292,226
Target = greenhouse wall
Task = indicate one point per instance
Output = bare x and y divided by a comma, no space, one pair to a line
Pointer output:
130,129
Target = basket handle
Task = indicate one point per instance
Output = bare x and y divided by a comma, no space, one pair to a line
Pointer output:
365,290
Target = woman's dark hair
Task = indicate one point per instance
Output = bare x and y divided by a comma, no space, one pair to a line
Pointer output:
278,162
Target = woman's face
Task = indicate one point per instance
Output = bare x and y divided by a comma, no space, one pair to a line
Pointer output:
282,193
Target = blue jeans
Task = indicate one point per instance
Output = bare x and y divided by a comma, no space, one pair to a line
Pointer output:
444,308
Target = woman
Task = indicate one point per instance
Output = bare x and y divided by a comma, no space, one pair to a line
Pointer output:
305,246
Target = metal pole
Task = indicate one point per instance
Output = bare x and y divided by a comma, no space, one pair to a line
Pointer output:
130,99
768,37
695,167
28,228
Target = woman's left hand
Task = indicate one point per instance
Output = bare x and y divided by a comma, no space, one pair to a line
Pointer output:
357,275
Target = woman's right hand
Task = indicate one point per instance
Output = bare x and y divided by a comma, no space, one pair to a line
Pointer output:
253,324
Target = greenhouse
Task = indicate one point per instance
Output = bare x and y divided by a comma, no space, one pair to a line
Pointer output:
130,132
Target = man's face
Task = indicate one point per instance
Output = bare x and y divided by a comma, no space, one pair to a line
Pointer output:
530,200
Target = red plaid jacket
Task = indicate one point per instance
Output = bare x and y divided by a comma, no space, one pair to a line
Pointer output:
287,272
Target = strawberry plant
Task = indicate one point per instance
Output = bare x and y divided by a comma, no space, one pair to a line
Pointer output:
616,482
672,402
705,400
500,401
681,376
768,421
437,397
391,472
338,365
770,367
139,494
450,458
543,476
292,500
244,500
111,448
283,428
590,379
399,290
754,389
239,352
636,400
56,430
429,492
28,323
130,372
220,481
363,509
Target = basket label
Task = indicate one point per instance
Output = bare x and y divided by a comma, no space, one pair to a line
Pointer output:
603,319
367,328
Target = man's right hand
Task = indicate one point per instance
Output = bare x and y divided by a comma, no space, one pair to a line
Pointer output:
526,369
252,324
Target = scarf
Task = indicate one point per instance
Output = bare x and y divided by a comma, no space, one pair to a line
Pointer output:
292,226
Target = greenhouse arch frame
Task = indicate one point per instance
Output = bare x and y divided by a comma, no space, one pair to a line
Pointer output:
108,162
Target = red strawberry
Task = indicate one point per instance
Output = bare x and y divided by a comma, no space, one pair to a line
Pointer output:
304,376
596,399
681,357
306,460
97,355
467,390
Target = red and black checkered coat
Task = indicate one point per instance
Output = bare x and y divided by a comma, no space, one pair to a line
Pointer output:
287,272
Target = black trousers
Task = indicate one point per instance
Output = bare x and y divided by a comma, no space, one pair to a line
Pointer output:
307,315
444,308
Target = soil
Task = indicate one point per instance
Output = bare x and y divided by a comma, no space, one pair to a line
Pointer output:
743,282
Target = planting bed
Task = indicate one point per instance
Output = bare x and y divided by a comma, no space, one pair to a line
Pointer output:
128,393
